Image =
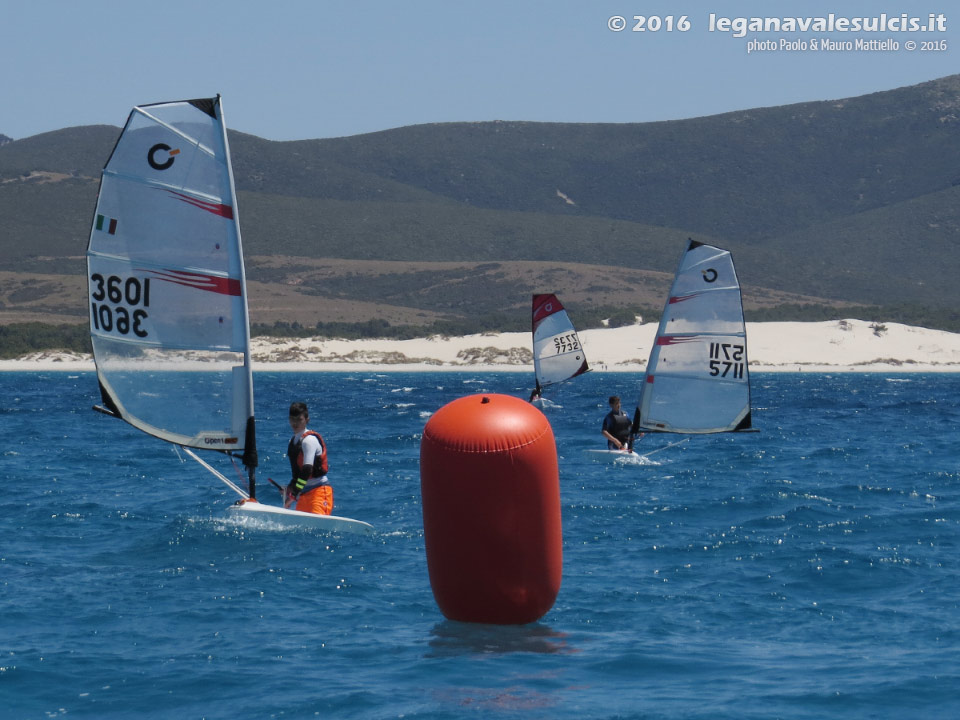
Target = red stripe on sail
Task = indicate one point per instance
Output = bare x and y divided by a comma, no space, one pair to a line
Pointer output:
545,306
216,208
199,281
676,340
582,369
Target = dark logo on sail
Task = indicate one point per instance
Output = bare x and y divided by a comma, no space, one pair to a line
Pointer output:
709,275
160,148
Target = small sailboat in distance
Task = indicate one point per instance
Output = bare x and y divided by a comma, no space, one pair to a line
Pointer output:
168,297
557,352
697,379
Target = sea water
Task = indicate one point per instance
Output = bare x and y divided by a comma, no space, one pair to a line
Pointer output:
808,570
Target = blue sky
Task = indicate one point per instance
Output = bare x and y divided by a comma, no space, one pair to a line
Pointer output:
297,69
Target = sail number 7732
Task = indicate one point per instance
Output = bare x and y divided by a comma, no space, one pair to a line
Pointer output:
566,343
726,359
118,304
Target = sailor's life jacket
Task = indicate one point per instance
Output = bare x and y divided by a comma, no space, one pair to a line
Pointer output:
618,425
319,467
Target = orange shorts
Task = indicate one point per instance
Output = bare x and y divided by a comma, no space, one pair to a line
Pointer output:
319,501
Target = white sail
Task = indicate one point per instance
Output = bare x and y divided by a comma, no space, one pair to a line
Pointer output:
697,379
557,353
167,292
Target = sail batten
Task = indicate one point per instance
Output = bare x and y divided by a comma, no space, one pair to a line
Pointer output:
697,377
162,186
167,289
175,130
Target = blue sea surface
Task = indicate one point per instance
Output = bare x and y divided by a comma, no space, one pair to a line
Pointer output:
808,570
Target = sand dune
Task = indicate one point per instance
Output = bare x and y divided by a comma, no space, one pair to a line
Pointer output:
834,346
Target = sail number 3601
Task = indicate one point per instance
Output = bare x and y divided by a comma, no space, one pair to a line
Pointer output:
726,359
118,304
566,343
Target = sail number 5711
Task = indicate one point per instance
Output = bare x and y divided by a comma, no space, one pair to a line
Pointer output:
118,304
726,359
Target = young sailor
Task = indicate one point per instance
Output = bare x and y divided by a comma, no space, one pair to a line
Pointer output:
308,466
617,426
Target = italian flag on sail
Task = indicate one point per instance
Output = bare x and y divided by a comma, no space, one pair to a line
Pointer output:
111,224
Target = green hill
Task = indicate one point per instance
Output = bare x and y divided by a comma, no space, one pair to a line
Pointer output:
841,202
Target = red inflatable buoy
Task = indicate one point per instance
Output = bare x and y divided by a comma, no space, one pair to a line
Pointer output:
490,487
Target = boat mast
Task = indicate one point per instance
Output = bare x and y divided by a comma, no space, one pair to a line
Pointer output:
250,460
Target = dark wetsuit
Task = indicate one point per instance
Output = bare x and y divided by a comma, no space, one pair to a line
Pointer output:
617,424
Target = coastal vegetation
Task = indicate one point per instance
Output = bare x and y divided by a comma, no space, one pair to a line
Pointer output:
24,338
833,209
20,339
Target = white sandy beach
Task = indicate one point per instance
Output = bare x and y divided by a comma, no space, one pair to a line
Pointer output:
834,346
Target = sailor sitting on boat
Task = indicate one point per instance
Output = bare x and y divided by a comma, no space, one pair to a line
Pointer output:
308,466
617,426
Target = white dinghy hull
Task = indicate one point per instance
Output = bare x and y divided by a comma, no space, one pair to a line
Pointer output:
294,518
